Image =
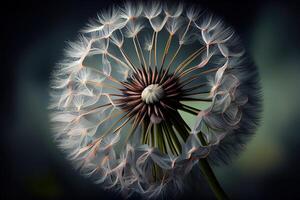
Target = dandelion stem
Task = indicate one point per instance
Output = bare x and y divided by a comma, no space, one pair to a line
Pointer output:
197,75
117,59
142,53
210,176
172,139
212,180
188,60
197,87
155,49
94,110
109,77
133,127
149,58
136,50
189,110
164,57
113,125
186,30
179,47
195,93
150,52
101,84
195,99
130,64
166,51
146,138
174,56
203,163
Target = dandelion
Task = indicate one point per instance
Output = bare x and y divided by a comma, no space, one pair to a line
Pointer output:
119,95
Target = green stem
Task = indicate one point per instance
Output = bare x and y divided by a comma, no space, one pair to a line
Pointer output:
210,176
212,180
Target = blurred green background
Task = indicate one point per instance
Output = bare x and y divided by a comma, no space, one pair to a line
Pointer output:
267,169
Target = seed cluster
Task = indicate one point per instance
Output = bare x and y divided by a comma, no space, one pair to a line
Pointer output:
133,103
120,96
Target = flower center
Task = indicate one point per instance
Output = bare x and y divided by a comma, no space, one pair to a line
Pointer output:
152,94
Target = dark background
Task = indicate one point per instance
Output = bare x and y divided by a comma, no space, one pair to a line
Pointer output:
34,37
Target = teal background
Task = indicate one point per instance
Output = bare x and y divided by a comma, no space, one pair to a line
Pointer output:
34,168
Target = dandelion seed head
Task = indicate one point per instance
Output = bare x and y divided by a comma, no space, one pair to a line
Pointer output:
118,95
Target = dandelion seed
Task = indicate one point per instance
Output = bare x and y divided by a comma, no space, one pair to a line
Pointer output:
193,13
132,29
118,96
117,38
131,12
173,25
173,11
152,9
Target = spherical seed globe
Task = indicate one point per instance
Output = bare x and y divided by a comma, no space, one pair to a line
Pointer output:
118,97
